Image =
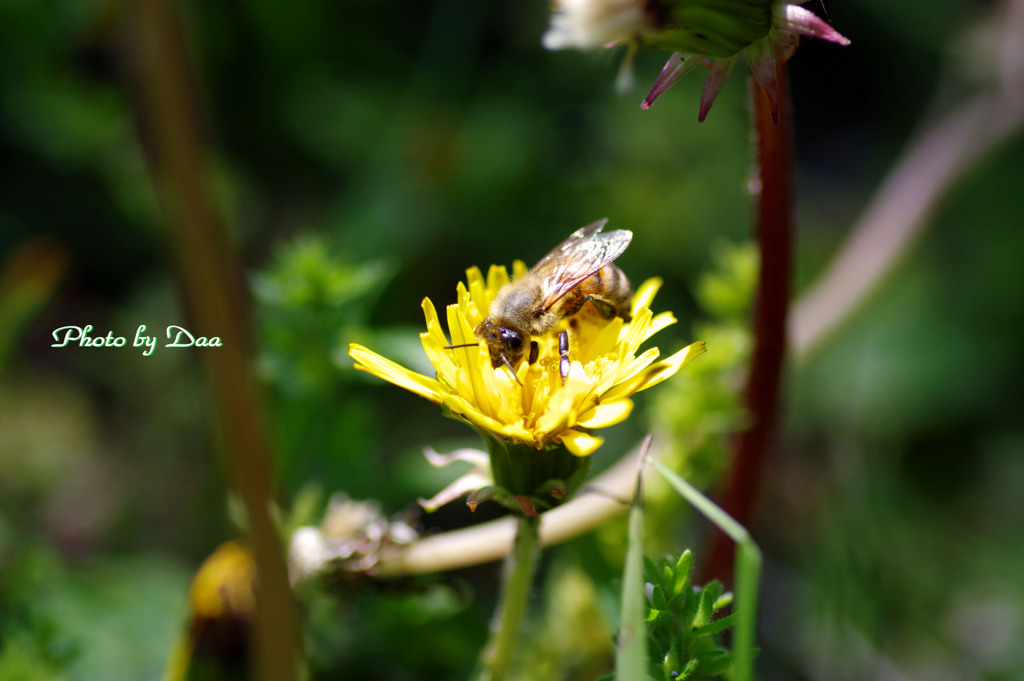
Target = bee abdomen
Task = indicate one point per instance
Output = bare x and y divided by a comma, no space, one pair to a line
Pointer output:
608,290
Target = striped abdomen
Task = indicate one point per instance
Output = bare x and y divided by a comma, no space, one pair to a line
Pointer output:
608,290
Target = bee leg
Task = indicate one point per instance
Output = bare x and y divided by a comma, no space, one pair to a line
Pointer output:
534,352
563,350
604,308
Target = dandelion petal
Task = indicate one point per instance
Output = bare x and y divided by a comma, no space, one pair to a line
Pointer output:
644,295
580,443
369,361
606,414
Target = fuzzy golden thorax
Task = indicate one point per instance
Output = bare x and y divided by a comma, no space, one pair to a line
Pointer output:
515,318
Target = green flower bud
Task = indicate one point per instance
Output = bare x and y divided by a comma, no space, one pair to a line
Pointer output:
716,28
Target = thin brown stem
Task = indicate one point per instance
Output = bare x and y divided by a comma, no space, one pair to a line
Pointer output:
774,231
606,497
214,295
940,155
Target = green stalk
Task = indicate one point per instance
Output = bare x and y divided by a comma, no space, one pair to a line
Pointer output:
508,620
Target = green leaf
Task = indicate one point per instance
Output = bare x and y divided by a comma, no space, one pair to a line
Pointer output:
652,572
707,606
658,599
688,669
670,662
713,627
667,575
748,568
661,621
681,574
688,611
715,662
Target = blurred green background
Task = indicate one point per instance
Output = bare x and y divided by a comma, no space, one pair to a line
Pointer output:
365,154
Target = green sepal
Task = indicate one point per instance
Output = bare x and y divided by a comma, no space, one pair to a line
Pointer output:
481,495
546,477
716,28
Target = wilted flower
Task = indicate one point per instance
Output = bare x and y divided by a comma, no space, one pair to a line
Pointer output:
355,535
539,431
711,33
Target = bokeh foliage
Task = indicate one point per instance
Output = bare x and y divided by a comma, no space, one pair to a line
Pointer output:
365,154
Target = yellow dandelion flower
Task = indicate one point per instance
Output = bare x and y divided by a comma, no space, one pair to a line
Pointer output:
533,410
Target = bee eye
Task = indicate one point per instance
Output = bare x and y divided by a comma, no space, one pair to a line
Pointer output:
512,339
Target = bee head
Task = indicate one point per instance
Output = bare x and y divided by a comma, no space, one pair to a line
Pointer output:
505,345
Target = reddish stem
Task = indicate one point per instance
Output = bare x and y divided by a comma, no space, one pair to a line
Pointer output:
775,226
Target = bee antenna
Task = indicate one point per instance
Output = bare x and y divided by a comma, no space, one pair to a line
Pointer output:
461,345
509,365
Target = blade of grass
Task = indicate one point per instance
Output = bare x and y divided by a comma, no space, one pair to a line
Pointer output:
631,646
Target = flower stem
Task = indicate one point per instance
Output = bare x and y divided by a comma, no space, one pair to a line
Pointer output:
508,620
775,241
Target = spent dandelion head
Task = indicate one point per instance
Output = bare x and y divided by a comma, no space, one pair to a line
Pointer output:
539,418
710,33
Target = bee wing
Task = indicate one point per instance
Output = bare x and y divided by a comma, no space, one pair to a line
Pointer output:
585,251
572,242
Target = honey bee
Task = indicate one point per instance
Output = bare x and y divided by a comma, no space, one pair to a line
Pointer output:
578,271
